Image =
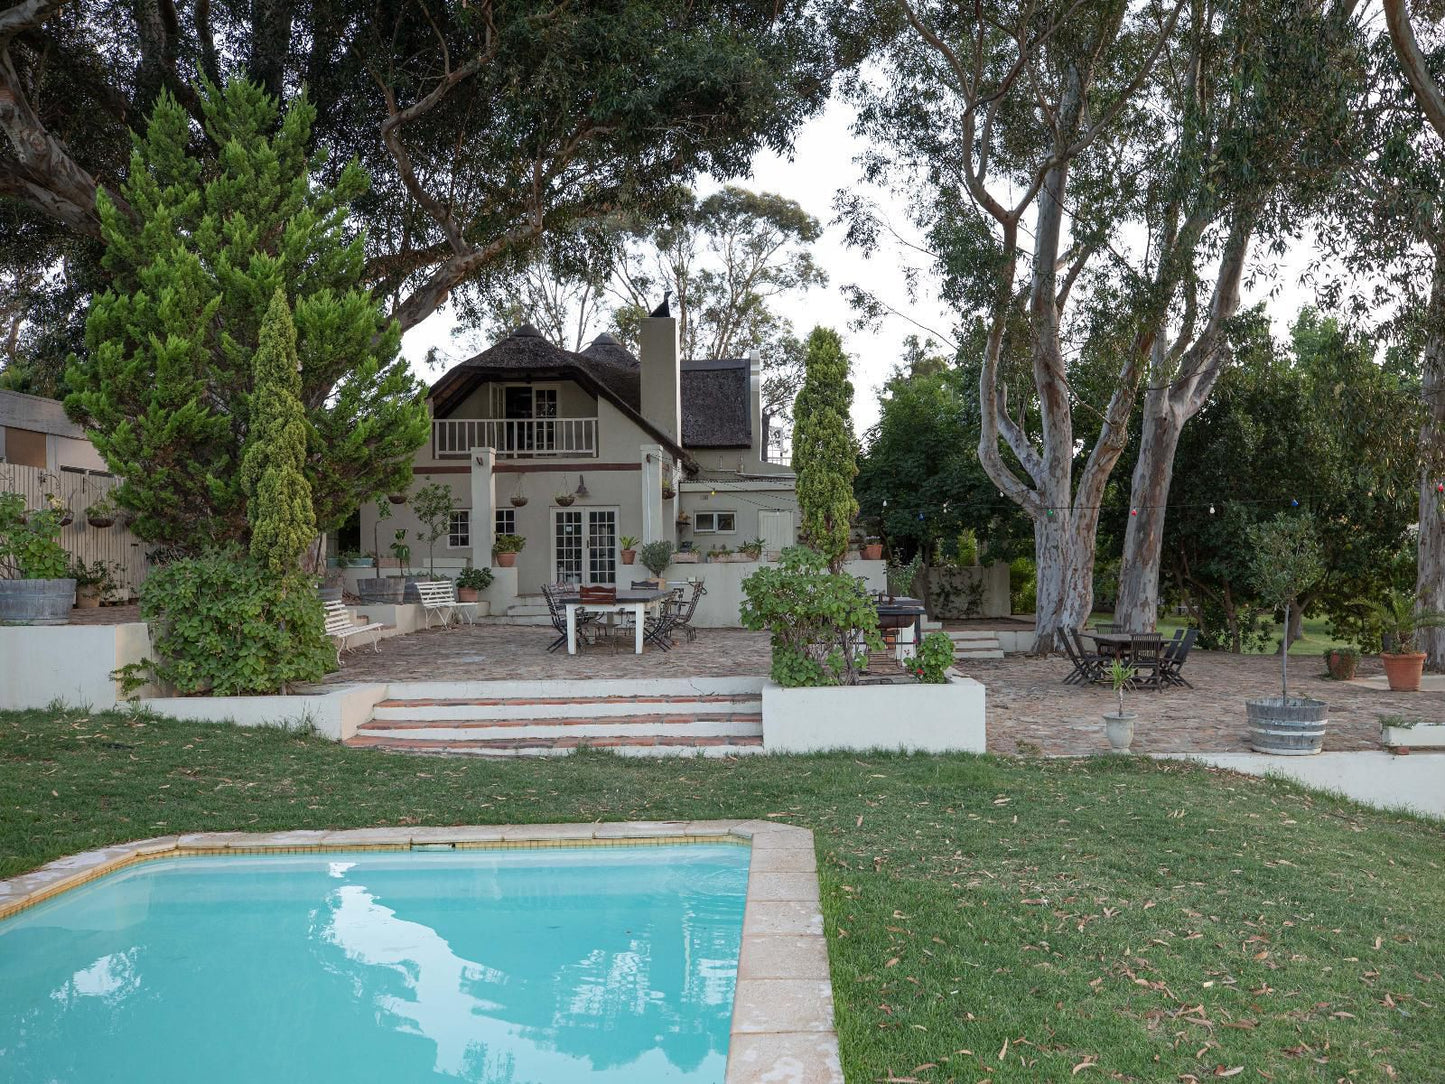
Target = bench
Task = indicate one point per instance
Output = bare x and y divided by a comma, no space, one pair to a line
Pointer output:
440,597
341,628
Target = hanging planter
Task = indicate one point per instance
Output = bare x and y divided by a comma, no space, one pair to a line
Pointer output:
396,498
564,499
518,500
668,492
100,521
519,495
67,517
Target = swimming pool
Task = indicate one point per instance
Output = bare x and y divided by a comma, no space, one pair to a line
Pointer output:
560,964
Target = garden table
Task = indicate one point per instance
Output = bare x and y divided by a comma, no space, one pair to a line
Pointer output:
1120,644
637,600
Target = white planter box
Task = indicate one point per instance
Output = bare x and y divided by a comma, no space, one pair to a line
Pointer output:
1424,736
915,718
336,713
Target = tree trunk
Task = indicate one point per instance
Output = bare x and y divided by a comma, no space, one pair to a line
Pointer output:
1430,577
1137,607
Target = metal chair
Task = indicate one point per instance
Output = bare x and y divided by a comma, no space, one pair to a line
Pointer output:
557,611
687,610
658,630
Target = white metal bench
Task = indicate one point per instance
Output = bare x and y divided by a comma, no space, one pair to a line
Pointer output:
341,628
440,597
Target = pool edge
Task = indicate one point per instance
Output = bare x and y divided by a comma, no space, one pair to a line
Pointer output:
782,1022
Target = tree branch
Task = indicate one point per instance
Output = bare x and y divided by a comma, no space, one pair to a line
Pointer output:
1402,35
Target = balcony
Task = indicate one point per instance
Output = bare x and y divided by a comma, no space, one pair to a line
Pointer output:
515,438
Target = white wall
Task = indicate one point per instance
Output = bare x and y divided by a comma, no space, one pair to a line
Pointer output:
40,664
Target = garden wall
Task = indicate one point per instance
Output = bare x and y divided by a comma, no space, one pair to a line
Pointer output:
954,593
40,664
945,718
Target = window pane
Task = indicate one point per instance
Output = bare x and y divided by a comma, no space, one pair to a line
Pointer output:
506,521
727,521
704,522
459,531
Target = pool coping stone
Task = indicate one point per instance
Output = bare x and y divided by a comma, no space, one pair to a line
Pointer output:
782,1024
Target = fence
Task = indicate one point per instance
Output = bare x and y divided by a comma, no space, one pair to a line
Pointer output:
77,489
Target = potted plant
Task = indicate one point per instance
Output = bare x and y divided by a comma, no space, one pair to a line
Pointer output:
872,549
1400,621
655,557
1285,561
505,548
1119,725
93,582
472,580
1342,662
686,554
356,559
629,548
38,589
752,550
519,495
564,498
668,490
396,498
102,511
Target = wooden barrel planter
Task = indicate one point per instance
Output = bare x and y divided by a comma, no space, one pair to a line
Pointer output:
382,591
36,602
1291,728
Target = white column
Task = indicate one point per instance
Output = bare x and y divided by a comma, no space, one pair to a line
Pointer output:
654,525
484,505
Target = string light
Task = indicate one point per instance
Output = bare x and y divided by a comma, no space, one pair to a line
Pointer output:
1133,511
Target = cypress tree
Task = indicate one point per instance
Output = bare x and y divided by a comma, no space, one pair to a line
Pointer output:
218,220
273,465
825,455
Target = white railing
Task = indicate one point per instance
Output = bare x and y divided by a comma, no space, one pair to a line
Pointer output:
515,438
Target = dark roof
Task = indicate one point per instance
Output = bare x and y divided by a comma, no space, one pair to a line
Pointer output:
615,366
716,403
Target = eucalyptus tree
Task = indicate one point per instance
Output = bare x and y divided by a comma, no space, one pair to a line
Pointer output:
484,126
1253,126
1015,129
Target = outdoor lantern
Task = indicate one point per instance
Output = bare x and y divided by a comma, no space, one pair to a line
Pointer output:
582,487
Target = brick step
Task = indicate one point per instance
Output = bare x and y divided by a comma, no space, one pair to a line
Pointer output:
546,710
639,745
580,701
610,722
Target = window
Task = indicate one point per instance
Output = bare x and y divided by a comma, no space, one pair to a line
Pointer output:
459,531
715,522
506,521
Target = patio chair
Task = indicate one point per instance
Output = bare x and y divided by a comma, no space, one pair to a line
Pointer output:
1088,665
1102,626
1175,654
658,630
1146,655
557,611
687,610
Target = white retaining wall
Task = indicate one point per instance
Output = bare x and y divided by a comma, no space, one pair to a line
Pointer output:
40,664
914,718
336,713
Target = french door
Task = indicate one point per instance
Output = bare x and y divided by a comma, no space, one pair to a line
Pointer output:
584,545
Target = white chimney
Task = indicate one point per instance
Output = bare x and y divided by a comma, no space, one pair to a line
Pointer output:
661,382
755,405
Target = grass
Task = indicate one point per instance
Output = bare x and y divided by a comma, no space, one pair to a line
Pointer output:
1314,639
987,919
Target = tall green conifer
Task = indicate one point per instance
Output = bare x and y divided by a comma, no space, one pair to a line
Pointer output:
219,221
825,455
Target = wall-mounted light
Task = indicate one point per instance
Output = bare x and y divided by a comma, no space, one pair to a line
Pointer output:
582,487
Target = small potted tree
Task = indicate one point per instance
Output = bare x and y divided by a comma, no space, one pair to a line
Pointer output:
1119,725
1285,561
472,580
1400,620
433,505
629,548
38,589
505,548
655,557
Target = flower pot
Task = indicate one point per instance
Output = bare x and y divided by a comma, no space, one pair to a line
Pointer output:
872,552
1292,728
36,602
668,493
518,502
1341,664
564,500
628,556
68,518
100,521
1403,671
466,594
87,596
1119,729
684,558
396,498
506,560
382,591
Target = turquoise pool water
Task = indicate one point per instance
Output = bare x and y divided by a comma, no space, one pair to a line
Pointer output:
507,967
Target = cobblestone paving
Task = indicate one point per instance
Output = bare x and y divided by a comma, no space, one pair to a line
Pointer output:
487,652
1030,710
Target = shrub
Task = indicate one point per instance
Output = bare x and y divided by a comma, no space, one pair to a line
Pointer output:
30,546
508,543
224,624
478,579
656,556
901,577
825,457
818,621
935,656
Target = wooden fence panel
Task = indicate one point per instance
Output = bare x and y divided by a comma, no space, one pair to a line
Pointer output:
77,489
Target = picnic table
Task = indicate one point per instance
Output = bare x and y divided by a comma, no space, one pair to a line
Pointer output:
635,599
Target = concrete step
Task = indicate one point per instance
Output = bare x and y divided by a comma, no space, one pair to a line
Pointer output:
978,653
559,707
964,635
702,724
639,745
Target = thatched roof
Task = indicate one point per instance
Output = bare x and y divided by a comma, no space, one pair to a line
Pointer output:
716,403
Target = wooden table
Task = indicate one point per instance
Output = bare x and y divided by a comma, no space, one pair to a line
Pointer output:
1120,644
637,600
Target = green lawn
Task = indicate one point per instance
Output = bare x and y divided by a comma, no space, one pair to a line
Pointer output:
988,919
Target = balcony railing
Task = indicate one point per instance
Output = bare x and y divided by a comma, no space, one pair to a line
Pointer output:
515,438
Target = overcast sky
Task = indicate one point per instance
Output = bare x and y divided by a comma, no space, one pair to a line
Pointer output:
823,162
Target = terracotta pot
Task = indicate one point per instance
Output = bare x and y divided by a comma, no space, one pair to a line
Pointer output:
506,560
87,596
1403,671
466,594
1341,665
873,551
628,556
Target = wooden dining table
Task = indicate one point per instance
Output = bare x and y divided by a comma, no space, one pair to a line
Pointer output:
636,599
1119,644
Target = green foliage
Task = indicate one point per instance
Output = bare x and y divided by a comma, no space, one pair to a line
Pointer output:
628,542
401,551
98,573
1285,558
166,384
508,543
935,656
478,579
656,556
273,477
1023,585
817,620
824,451
1399,619
753,547
902,575
30,541
1119,676
433,504
225,624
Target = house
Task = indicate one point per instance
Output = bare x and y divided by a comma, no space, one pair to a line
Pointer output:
35,432
653,447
